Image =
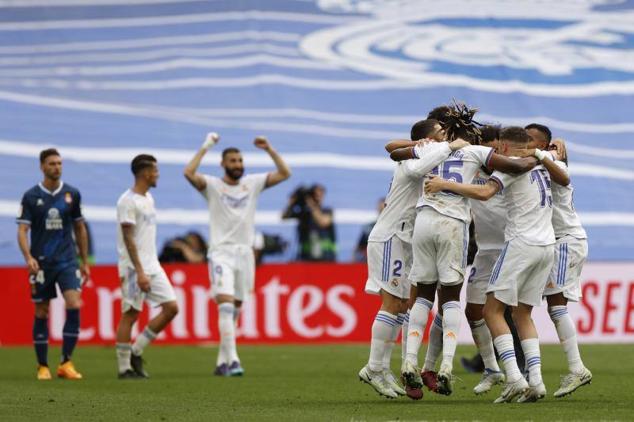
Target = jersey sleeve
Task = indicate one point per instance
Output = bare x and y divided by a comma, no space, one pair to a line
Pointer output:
126,211
429,156
259,181
210,186
75,212
25,213
503,179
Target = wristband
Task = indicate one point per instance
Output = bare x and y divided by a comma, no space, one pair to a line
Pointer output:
211,140
541,155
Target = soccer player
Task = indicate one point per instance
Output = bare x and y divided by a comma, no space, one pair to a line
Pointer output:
440,242
232,201
520,273
51,210
389,253
141,274
571,250
489,221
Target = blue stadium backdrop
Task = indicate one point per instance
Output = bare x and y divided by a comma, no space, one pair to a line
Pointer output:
327,81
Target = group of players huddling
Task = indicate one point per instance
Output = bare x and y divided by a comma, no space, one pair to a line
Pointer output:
514,183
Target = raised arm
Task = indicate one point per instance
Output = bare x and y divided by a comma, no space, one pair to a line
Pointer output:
282,171
128,239
479,192
510,165
197,180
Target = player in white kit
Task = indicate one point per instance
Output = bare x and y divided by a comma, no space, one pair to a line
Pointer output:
389,255
232,202
571,250
520,273
439,246
141,274
489,222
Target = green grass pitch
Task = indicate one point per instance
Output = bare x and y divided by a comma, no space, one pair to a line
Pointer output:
291,383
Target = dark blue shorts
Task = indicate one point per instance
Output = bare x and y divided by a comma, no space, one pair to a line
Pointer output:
67,276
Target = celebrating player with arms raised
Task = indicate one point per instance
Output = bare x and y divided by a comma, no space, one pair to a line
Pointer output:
232,201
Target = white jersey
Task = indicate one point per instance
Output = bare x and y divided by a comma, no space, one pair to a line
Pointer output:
397,218
461,167
138,210
489,217
232,210
565,218
529,206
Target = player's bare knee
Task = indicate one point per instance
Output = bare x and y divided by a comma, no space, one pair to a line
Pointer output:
170,309
474,312
557,300
426,291
449,293
41,310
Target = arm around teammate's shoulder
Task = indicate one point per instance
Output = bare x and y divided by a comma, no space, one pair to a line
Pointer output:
510,165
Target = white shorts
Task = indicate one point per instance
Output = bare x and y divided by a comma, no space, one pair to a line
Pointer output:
439,246
161,291
570,255
388,267
520,273
480,275
232,272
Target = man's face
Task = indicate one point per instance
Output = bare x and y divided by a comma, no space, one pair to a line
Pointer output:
52,167
495,144
504,147
439,133
151,175
233,165
536,139
318,194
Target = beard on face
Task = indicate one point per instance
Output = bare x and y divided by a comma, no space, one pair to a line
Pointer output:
234,174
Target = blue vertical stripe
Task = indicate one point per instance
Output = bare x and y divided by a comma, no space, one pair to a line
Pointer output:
465,244
498,265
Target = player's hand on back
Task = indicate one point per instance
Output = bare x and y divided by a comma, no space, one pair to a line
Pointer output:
144,282
458,144
434,184
33,265
559,145
262,143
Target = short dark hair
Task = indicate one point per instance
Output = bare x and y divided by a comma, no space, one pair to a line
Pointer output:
423,128
142,161
47,153
229,151
440,113
514,134
489,133
543,129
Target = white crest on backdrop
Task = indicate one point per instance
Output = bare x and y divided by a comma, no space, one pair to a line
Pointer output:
540,47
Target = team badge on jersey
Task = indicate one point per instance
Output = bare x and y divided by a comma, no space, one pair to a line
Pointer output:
68,198
395,282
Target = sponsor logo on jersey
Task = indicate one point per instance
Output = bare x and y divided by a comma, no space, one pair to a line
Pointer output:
54,221
233,202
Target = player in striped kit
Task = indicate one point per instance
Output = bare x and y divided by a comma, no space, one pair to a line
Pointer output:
389,254
520,273
571,250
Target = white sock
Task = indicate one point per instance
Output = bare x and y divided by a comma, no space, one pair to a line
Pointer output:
227,328
384,323
387,353
404,336
484,343
530,346
124,350
567,336
142,340
416,328
504,346
435,344
450,327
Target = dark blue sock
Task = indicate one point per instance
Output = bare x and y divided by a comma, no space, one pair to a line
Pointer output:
70,334
40,340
